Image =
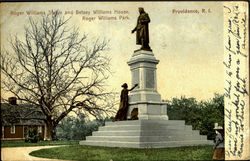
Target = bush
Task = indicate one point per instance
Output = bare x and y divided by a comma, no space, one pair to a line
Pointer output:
33,136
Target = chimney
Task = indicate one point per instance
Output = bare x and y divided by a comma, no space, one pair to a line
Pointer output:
12,100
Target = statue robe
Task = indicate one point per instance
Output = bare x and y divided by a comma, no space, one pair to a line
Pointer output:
142,29
123,108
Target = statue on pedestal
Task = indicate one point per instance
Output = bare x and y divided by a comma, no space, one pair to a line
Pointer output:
142,33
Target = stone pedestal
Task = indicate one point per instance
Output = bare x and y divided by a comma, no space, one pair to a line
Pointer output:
145,97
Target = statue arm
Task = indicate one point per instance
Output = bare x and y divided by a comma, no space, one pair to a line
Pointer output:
134,29
133,87
135,26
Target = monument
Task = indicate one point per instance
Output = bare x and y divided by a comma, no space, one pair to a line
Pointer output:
152,129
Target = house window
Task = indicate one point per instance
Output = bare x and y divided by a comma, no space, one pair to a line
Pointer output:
12,129
39,129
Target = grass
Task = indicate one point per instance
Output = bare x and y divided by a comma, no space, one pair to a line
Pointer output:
90,153
40,143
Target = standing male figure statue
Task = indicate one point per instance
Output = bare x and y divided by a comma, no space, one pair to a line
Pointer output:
142,33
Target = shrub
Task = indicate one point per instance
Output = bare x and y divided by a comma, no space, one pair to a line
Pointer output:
33,136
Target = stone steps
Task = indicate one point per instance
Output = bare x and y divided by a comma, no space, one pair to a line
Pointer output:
146,144
148,122
145,138
146,133
143,127
149,133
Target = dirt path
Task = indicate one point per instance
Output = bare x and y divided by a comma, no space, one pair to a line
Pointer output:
22,154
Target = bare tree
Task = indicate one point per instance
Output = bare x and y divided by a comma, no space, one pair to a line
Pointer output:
55,69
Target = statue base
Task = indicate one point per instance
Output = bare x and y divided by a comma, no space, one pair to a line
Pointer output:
146,134
149,110
146,49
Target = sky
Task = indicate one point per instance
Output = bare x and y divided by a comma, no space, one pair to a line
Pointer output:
189,46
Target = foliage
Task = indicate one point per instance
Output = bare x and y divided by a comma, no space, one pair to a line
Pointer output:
201,115
57,69
77,128
39,143
33,136
80,152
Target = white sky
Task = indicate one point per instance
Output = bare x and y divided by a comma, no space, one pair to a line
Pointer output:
189,46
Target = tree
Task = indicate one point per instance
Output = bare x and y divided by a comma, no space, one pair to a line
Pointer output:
212,112
77,128
57,70
201,115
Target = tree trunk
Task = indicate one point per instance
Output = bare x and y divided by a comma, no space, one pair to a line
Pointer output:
49,130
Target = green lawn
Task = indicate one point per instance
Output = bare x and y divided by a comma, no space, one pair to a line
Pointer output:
40,143
80,152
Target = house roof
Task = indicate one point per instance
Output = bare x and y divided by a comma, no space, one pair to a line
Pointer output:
21,114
